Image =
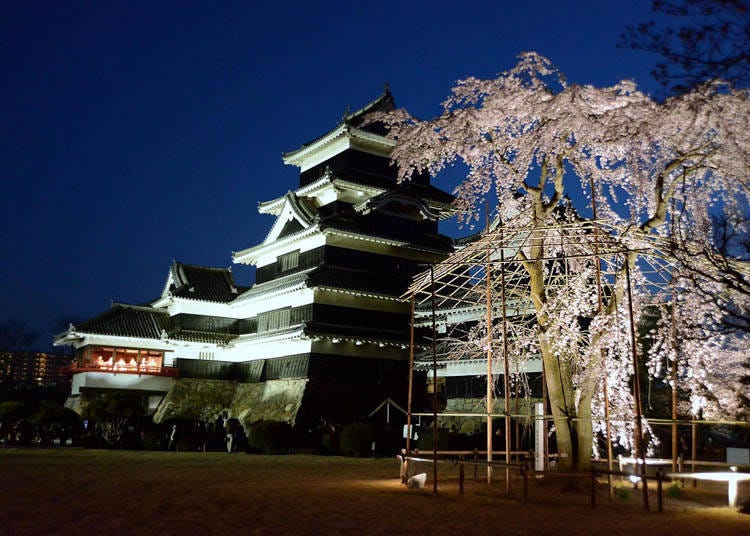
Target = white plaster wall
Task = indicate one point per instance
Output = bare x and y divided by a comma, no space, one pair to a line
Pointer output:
267,350
333,297
195,307
251,307
285,245
479,368
108,380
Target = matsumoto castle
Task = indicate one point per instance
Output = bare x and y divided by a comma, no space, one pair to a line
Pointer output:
321,333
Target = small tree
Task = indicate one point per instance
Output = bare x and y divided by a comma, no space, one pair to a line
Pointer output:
55,422
12,414
110,414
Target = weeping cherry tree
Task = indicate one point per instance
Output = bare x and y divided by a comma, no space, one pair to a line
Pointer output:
531,140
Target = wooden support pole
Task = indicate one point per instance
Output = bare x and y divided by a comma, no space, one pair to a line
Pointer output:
434,387
476,465
545,425
506,365
694,448
600,308
640,451
659,500
593,489
674,388
411,380
608,426
488,321
461,476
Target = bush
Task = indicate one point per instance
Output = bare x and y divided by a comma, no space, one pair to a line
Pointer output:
622,493
15,421
189,443
675,490
55,422
113,415
152,438
326,440
357,439
15,410
270,437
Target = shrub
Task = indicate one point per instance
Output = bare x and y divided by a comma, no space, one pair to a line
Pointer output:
14,410
152,438
55,422
15,421
675,490
357,439
622,493
326,439
189,443
270,437
112,415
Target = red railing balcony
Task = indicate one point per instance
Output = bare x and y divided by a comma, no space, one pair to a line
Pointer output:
75,368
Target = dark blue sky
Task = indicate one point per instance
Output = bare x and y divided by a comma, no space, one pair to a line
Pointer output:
135,133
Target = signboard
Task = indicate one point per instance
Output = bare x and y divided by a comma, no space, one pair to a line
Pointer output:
414,430
539,437
736,456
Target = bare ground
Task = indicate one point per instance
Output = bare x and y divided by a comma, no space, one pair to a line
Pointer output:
72,491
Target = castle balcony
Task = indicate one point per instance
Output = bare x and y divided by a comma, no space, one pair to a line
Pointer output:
120,368
156,380
124,368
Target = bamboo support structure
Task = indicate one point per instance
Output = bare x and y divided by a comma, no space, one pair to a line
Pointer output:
434,389
411,380
674,390
488,319
640,451
600,308
506,371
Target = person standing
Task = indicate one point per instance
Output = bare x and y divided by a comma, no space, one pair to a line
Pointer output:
230,435
173,436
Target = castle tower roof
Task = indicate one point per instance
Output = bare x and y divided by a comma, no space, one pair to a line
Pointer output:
350,133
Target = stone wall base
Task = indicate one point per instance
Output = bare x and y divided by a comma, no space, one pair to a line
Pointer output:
204,400
470,425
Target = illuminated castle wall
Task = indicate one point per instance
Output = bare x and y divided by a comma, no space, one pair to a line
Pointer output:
324,308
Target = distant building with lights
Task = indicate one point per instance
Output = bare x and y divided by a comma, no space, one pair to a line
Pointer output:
34,369
321,334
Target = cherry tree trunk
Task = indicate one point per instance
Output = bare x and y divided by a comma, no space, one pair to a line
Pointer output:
573,429
573,426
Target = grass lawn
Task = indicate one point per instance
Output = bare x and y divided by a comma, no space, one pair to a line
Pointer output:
74,491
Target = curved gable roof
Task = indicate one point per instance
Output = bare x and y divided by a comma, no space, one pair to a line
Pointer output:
294,216
124,320
203,283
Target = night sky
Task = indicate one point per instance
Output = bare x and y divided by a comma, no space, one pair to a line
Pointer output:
138,133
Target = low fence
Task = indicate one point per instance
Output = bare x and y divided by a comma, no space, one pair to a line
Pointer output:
521,468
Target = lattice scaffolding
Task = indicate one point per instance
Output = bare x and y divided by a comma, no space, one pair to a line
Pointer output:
487,282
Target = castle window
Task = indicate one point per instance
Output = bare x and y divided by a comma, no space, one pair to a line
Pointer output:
272,320
206,356
289,261
121,359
